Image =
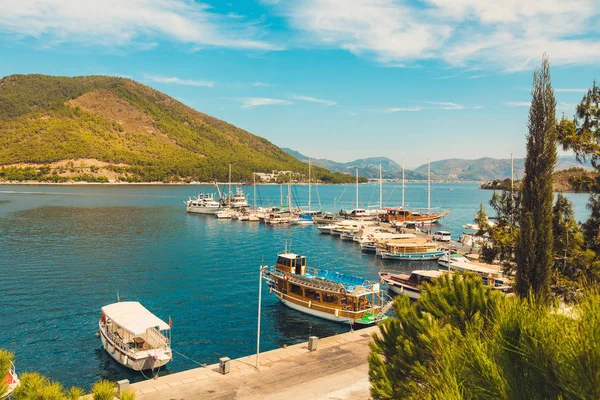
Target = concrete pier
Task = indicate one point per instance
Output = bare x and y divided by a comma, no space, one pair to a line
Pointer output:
338,369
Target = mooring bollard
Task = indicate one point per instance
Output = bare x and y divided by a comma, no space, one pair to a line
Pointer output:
122,386
224,365
313,343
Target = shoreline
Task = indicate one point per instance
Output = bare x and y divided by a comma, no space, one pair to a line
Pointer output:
79,183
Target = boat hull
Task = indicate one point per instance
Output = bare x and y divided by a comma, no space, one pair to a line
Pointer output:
147,362
315,313
202,210
399,289
412,257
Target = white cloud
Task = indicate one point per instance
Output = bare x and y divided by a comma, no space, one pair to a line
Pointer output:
259,84
250,102
478,107
518,103
567,90
447,105
313,100
401,109
509,35
125,22
178,81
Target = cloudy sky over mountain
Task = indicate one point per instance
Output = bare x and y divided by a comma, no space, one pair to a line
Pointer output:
340,79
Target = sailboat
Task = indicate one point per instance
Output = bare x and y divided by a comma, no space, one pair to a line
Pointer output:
359,213
306,216
418,216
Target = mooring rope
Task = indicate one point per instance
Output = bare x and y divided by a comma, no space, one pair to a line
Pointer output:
191,359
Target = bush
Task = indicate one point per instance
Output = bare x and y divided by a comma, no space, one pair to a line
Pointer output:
462,340
104,390
127,395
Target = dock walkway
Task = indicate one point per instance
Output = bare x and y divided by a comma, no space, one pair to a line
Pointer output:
338,369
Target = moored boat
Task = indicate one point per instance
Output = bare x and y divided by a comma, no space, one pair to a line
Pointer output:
11,382
326,229
492,277
410,251
326,294
134,337
204,203
409,284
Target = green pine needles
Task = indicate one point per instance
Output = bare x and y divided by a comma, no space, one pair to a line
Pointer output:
461,340
534,248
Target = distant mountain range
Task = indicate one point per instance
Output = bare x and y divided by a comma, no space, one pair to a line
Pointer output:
482,169
367,167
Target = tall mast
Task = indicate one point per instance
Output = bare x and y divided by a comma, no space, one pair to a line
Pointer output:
428,186
254,177
229,184
380,189
403,183
356,187
309,184
290,194
512,177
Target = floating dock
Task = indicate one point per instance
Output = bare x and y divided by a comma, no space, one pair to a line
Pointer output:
338,369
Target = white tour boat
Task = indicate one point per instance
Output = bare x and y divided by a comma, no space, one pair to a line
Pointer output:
134,337
204,203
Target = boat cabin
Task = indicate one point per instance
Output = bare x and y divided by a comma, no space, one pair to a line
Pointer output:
291,263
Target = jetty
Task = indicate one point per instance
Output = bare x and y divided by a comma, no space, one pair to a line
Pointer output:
337,369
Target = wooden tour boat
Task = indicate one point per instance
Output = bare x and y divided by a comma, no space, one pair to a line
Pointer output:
410,251
134,337
326,294
401,215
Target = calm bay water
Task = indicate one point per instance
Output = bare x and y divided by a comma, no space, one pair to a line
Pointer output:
65,251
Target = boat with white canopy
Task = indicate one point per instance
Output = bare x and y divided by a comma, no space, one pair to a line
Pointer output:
135,337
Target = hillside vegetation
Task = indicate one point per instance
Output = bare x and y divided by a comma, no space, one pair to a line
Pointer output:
126,131
574,179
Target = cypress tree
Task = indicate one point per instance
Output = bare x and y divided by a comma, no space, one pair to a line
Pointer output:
534,249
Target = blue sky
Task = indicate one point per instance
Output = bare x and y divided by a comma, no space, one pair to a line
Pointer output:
338,79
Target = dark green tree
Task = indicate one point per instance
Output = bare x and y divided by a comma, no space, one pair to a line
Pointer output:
482,220
534,248
568,238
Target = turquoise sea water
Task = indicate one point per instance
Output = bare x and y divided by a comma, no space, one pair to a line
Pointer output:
65,251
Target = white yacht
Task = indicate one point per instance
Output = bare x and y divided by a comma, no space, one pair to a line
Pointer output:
135,337
237,200
204,203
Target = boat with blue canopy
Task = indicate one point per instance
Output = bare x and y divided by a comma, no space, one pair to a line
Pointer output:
326,294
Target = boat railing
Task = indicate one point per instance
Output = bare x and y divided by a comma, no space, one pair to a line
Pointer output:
118,342
322,284
156,339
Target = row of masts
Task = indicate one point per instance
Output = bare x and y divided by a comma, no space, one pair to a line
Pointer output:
289,195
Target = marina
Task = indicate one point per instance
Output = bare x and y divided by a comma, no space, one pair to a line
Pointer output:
74,245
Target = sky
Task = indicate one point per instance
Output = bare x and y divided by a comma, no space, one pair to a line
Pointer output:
336,79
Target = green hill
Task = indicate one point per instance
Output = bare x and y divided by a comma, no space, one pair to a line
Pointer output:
368,167
96,128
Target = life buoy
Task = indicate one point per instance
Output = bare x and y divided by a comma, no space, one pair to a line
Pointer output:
343,291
